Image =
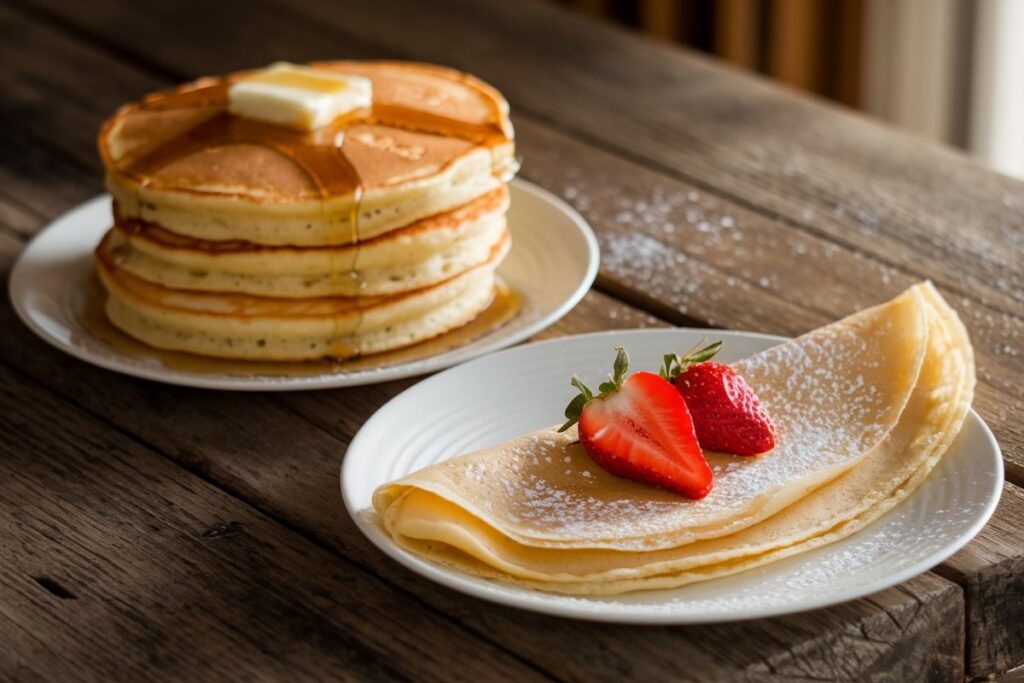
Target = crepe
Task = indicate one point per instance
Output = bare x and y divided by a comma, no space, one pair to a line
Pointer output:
864,408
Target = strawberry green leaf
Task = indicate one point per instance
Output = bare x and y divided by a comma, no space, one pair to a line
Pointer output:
583,388
702,355
669,366
621,365
606,388
573,411
674,365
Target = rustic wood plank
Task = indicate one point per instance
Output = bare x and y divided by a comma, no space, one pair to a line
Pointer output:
1015,676
118,565
217,441
36,183
994,597
10,246
594,174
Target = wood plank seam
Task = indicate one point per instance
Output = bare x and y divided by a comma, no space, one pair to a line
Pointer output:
8,230
7,197
710,193
55,589
84,35
118,445
740,201
647,303
270,514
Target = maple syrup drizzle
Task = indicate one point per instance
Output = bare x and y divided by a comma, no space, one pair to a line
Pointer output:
348,266
320,153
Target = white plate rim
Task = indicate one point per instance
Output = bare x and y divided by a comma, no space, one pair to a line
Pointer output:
585,609
19,282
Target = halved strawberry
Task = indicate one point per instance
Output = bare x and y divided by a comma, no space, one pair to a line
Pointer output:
639,429
727,414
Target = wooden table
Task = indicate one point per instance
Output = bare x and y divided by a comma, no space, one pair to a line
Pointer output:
156,532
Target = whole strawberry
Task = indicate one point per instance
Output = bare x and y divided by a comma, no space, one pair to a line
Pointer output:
727,414
639,429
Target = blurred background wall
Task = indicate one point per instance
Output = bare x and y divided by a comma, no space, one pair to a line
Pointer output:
951,70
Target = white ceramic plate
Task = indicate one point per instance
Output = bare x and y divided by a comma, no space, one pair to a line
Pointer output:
552,263
494,398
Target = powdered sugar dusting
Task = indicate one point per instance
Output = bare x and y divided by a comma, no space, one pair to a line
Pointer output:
833,394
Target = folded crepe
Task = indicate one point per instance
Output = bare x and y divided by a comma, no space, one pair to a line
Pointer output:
864,409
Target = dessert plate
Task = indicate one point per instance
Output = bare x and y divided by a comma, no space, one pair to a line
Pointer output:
527,388
551,265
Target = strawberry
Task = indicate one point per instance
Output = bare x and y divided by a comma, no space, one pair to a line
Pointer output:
727,414
639,429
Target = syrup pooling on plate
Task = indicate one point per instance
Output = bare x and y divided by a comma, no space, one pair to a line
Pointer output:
205,126
346,267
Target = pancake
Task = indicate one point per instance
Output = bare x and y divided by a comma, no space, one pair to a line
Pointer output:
416,256
434,512
433,140
260,328
241,236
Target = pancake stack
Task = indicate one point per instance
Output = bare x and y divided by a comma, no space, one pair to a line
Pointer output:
865,408
238,238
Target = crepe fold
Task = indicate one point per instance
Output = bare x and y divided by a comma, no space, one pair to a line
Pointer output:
864,408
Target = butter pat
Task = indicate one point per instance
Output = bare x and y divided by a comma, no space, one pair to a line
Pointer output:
298,96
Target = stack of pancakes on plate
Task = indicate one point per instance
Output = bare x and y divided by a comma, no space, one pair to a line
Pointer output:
238,238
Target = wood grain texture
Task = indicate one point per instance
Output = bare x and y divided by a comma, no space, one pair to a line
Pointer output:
118,565
906,633
1014,676
994,597
211,434
708,255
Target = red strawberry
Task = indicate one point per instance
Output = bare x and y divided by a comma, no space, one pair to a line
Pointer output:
726,412
640,429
